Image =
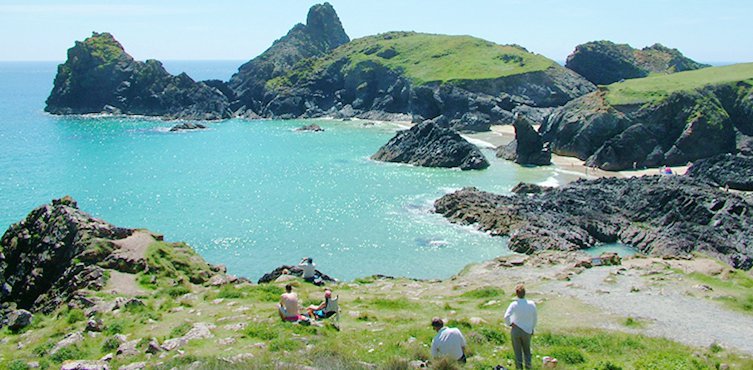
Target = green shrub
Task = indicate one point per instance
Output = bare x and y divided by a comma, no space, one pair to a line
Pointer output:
176,291
229,292
265,293
180,330
18,365
608,366
485,293
391,304
67,353
568,355
261,331
459,323
115,327
494,336
75,316
284,344
110,344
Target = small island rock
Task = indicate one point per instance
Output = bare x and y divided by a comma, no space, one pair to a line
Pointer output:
429,145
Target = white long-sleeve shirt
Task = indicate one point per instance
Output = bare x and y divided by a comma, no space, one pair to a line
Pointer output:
522,313
309,269
448,342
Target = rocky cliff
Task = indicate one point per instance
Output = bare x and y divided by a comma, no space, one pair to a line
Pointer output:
656,127
457,81
100,77
321,33
59,252
430,145
659,215
604,62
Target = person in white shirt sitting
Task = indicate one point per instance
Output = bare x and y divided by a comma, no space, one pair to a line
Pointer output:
521,317
448,341
309,269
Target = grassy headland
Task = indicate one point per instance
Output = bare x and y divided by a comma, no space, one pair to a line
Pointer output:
657,87
425,58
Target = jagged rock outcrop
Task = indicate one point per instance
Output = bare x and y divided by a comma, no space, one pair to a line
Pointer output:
100,77
310,128
684,127
58,251
726,170
291,270
321,33
429,145
528,147
604,62
659,215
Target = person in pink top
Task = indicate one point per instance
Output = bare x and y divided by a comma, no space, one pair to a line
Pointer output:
521,317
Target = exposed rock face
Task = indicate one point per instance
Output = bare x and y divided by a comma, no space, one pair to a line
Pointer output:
659,215
58,250
528,147
429,145
684,127
38,271
733,171
321,33
100,77
604,62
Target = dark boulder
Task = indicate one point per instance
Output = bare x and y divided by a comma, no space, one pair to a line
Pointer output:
528,148
658,215
631,148
429,145
523,188
100,77
292,271
311,128
188,126
19,319
726,170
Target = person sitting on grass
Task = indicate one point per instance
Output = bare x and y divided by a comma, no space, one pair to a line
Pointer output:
448,341
288,307
325,309
309,269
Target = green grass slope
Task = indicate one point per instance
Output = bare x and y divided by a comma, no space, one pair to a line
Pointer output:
658,87
425,58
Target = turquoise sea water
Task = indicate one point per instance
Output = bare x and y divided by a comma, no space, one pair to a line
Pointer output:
249,194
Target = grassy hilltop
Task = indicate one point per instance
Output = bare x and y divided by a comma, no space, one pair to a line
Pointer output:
658,87
425,58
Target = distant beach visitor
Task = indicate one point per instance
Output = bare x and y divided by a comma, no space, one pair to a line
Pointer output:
521,317
324,310
309,269
448,341
288,307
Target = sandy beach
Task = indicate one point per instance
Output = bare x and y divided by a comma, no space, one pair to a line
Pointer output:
504,134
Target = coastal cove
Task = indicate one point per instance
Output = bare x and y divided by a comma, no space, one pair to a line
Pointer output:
250,194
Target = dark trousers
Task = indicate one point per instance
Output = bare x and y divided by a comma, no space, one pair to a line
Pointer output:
521,345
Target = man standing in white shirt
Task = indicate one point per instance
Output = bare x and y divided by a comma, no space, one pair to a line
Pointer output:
521,317
448,341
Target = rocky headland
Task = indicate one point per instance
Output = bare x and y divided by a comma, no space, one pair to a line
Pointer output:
658,215
430,145
655,121
100,77
604,62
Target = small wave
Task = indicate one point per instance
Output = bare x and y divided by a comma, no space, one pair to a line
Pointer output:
551,182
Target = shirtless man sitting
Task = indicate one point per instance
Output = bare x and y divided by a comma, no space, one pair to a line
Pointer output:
288,307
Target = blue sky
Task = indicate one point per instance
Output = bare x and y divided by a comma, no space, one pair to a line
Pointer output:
711,31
